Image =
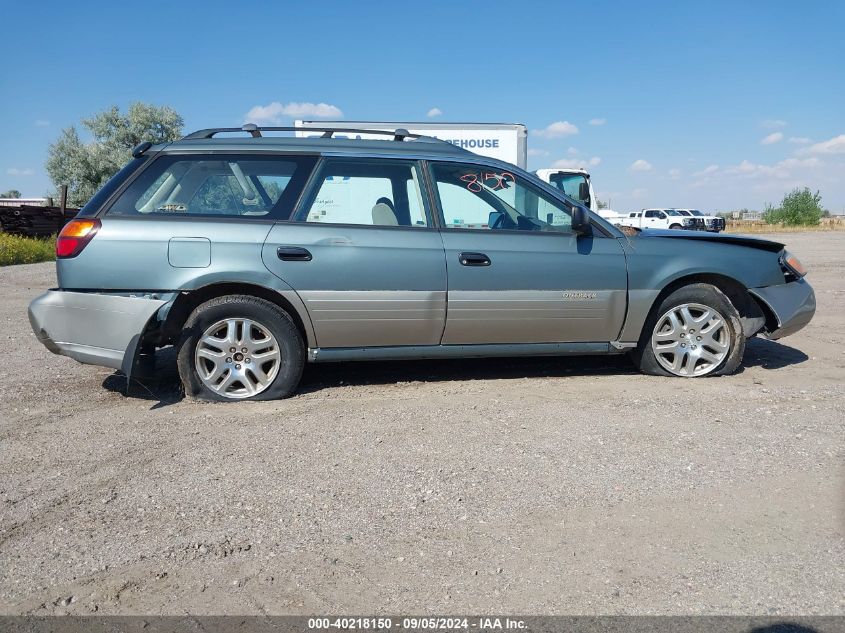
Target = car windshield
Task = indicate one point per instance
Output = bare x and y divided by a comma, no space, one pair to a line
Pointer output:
672,212
698,214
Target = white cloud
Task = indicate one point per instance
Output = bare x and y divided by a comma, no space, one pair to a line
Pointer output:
639,193
14,171
598,121
273,112
572,151
710,169
836,145
557,129
577,163
799,140
640,165
537,152
774,137
434,112
773,123
780,171
41,123
674,174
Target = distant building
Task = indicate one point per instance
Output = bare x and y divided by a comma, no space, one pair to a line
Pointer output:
30,202
745,214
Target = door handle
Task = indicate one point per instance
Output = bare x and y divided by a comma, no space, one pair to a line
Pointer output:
474,259
293,254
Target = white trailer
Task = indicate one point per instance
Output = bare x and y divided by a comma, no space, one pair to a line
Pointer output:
503,141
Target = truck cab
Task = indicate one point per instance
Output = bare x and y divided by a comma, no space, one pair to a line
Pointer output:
575,183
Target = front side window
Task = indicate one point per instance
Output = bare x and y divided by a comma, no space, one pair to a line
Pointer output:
216,185
479,197
368,192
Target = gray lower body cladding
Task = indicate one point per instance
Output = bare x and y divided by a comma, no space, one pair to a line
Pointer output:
93,328
421,352
105,328
793,304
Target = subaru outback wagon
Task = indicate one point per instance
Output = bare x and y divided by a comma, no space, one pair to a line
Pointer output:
253,255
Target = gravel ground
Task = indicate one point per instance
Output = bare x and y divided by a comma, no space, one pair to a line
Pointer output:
552,486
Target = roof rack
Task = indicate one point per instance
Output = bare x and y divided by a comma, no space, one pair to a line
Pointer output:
399,134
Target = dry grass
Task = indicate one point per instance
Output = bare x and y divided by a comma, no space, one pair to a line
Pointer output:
758,226
15,249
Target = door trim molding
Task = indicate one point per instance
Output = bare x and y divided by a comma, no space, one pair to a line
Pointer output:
415,352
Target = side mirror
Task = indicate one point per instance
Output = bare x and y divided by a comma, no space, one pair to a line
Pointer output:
581,221
584,193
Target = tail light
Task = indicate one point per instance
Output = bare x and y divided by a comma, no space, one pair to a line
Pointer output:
75,236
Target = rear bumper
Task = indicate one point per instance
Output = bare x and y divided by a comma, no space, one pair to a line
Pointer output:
793,305
93,328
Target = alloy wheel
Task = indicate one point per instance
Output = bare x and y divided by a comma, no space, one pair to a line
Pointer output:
691,339
237,358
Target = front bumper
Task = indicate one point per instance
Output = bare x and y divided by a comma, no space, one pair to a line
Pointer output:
793,305
93,328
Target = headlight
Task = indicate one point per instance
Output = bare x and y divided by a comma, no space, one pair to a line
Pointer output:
792,264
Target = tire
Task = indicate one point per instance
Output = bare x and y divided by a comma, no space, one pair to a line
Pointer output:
707,346
676,227
270,368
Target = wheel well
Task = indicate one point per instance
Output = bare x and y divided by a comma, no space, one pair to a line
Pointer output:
187,301
744,302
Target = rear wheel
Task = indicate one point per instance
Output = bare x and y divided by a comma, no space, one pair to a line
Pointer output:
694,332
239,347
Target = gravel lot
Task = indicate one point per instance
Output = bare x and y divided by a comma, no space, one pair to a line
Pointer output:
554,486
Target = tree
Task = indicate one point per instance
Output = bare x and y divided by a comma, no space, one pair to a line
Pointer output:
798,207
11,193
602,204
85,167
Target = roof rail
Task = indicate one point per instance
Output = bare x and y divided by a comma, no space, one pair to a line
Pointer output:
398,135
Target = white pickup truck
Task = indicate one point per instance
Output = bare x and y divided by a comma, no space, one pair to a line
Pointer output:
650,219
712,223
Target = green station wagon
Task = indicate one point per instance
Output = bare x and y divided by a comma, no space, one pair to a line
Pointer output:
254,254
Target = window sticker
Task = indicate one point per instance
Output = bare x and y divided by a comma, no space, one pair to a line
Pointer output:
477,182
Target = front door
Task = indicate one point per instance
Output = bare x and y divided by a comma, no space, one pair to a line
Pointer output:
364,257
517,273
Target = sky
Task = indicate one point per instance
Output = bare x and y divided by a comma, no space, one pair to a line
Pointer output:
716,105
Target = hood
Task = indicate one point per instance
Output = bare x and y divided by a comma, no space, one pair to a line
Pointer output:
739,240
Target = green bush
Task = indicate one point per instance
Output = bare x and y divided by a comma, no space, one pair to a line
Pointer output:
15,249
800,207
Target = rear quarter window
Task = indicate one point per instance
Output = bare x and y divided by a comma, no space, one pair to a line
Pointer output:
113,184
216,185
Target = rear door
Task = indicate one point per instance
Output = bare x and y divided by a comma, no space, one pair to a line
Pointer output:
517,273
363,255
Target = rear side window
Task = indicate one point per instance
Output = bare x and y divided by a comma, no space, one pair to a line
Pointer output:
368,192
262,187
113,184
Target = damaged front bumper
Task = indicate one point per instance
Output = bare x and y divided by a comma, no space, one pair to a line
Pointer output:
94,328
793,305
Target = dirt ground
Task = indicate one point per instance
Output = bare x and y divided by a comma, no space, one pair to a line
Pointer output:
552,486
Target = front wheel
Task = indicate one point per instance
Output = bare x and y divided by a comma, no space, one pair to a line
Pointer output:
239,347
694,332
676,227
